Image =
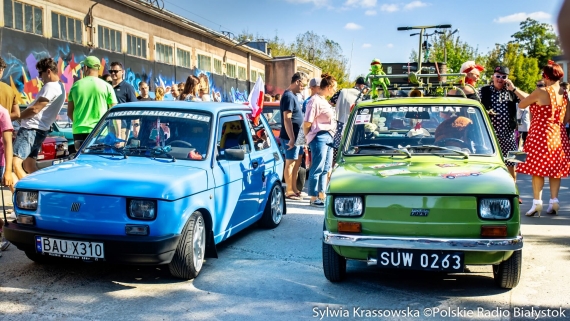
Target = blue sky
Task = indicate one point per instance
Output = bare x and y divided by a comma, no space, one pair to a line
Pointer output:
366,29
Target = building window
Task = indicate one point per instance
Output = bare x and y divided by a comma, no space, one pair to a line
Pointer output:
66,28
231,70
23,17
136,46
217,66
183,58
262,75
253,76
241,73
204,63
109,39
164,54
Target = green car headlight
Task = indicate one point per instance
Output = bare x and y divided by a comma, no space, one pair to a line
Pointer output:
142,209
348,206
27,200
495,208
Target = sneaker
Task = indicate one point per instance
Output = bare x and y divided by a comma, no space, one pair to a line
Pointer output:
4,245
318,203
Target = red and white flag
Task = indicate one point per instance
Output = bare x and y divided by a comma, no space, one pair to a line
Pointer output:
256,99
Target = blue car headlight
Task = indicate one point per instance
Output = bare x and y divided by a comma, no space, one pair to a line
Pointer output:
348,206
495,208
142,209
27,200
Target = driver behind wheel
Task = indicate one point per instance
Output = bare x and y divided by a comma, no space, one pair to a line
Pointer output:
453,131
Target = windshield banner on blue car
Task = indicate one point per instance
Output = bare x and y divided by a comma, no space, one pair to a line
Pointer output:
163,113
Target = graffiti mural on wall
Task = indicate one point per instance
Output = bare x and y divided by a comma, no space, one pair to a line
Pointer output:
22,76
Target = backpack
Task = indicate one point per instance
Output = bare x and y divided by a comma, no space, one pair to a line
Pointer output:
511,105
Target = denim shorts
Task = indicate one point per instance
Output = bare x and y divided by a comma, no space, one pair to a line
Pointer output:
292,153
28,142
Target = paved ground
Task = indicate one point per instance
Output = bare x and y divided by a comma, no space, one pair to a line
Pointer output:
277,275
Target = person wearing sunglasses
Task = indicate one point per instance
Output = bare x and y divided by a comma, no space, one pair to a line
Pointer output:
501,104
547,147
124,92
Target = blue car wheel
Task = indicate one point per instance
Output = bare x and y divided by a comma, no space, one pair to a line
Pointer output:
189,256
274,209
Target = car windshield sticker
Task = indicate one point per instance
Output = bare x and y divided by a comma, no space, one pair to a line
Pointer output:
453,175
471,110
447,165
364,111
175,114
362,119
387,165
417,109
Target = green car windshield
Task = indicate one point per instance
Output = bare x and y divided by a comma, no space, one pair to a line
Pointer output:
421,129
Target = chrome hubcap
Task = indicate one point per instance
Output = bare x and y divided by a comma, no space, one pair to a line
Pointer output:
276,204
199,243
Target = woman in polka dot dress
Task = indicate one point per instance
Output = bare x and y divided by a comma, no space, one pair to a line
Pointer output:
547,146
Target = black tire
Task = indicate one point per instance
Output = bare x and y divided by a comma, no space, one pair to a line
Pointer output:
301,178
39,258
334,265
274,209
508,273
189,255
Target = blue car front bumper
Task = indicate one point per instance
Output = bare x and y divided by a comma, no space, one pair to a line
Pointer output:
126,249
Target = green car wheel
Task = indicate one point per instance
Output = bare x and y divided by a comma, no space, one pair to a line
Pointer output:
508,273
334,265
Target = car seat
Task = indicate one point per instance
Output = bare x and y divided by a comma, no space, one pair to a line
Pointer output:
397,123
233,136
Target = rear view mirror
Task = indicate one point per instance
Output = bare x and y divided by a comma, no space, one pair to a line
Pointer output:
516,157
232,154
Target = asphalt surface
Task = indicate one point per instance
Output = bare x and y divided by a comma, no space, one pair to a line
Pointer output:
277,275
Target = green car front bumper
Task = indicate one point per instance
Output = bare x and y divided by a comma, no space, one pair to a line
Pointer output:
477,251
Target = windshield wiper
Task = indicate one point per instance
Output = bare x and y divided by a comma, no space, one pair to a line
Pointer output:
107,146
155,151
460,152
380,146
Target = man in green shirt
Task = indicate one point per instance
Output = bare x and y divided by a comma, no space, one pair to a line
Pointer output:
88,100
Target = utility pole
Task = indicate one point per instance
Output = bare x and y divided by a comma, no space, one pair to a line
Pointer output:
422,29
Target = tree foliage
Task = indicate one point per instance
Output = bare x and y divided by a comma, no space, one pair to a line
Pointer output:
319,50
537,40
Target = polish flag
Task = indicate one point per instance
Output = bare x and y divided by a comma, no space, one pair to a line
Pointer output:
256,99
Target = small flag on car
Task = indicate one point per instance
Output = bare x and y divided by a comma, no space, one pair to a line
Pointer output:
256,100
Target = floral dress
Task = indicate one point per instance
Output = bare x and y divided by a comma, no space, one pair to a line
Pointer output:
547,146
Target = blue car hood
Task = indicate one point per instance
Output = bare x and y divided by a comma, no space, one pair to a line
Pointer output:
131,177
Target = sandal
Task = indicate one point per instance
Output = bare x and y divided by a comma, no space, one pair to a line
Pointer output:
293,197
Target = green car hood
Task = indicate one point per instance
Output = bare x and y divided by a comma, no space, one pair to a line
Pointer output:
421,175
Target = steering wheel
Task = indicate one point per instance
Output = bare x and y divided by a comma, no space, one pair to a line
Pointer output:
182,142
445,140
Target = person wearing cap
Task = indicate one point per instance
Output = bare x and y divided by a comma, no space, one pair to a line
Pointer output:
88,100
501,104
347,98
472,73
37,119
314,84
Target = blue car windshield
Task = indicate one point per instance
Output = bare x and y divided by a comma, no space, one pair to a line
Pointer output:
461,128
152,133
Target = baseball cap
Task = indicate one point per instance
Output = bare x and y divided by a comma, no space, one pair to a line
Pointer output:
91,62
502,70
314,82
360,81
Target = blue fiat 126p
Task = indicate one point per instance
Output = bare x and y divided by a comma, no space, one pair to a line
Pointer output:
154,183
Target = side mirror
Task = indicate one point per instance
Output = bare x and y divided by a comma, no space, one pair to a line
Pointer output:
516,157
232,154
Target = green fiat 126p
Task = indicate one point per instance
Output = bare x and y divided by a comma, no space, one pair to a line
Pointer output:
420,184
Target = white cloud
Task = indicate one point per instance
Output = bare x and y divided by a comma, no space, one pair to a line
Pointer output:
521,16
370,12
389,7
366,45
390,45
415,4
352,26
361,3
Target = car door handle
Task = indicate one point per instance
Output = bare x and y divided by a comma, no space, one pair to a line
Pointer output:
255,164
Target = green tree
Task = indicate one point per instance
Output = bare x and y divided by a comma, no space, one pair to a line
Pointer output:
524,70
537,40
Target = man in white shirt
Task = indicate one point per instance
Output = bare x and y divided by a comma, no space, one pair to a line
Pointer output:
37,119
347,98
